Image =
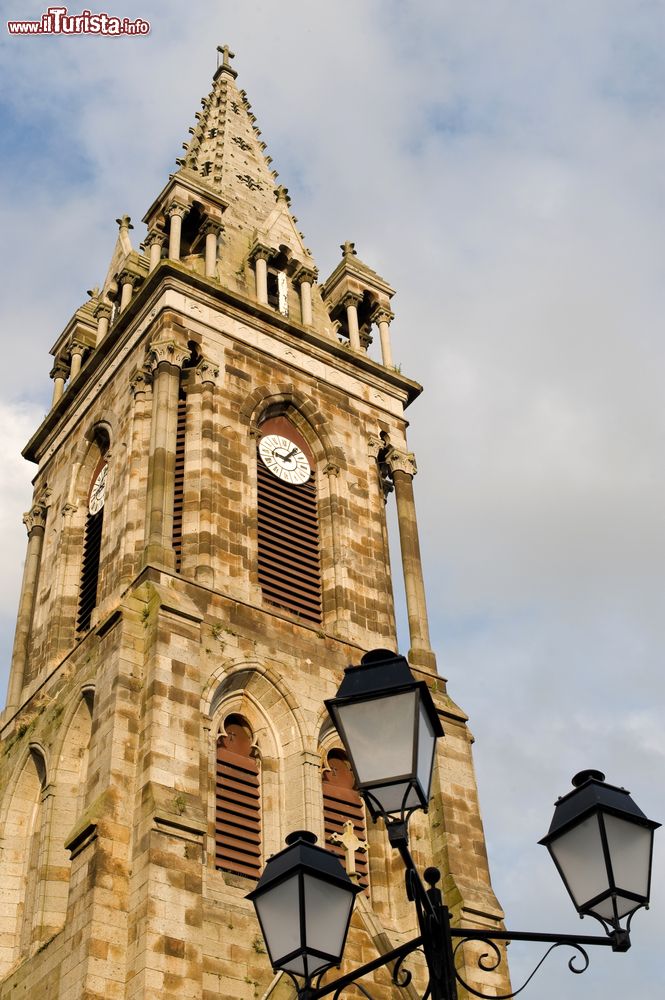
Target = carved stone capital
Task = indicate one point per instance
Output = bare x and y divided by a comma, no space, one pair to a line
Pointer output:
35,517
60,369
382,314
102,311
374,446
155,236
68,509
210,226
305,274
401,461
260,251
207,372
350,299
332,469
177,208
167,350
128,276
140,381
255,434
76,347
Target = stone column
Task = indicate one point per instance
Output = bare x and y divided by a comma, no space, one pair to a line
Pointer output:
166,359
212,231
176,214
382,316
154,241
260,255
132,538
76,355
35,522
103,317
402,466
207,373
305,278
128,281
351,302
59,374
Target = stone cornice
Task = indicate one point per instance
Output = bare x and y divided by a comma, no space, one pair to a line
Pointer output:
171,274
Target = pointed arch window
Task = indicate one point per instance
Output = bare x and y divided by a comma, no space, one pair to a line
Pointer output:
92,540
341,805
289,559
237,801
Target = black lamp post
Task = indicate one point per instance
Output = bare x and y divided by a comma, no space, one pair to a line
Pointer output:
600,841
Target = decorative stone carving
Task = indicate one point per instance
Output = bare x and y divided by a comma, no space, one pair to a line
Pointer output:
207,372
167,350
35,517
60,369
382,314
178,209
141,381
351,299
305,274
155,236
348,249
250,182
400,461
260,251
102,311
332,469
374,446
210,226
68,509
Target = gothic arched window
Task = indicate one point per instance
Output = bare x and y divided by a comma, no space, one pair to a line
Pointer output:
289,565
237,801
92,540
342,805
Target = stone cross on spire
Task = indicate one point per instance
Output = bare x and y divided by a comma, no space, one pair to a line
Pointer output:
226,56
351,844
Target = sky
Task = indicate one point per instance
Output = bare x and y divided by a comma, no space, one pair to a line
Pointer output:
502,164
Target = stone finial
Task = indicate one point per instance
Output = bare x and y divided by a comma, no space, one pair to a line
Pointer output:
93,292
348,249
282,194
125,222
226,54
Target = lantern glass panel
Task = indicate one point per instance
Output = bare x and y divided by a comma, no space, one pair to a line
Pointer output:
327,915
426,744
579,854
630,851
391,797
279,912
379,735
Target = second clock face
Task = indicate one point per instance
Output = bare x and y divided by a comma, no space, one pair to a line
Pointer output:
284,459
98,492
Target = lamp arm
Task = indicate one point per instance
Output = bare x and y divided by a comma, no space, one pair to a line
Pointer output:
396,955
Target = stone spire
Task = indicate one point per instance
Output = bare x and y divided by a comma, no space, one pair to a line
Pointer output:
226,157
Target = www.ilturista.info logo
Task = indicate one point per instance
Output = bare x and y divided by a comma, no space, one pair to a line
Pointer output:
58,21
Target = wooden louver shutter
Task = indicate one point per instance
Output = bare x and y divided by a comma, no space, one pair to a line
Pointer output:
341,803
238,805
92,541
179,481
288,535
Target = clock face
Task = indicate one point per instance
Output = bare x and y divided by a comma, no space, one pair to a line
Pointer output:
284,459
98,492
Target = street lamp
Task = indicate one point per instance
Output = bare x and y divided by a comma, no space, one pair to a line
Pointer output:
600,841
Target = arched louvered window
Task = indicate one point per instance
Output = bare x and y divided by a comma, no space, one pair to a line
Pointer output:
92,540
238,801
289,565
341,805
179,480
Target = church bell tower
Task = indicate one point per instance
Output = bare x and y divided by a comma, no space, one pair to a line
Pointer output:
207,551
